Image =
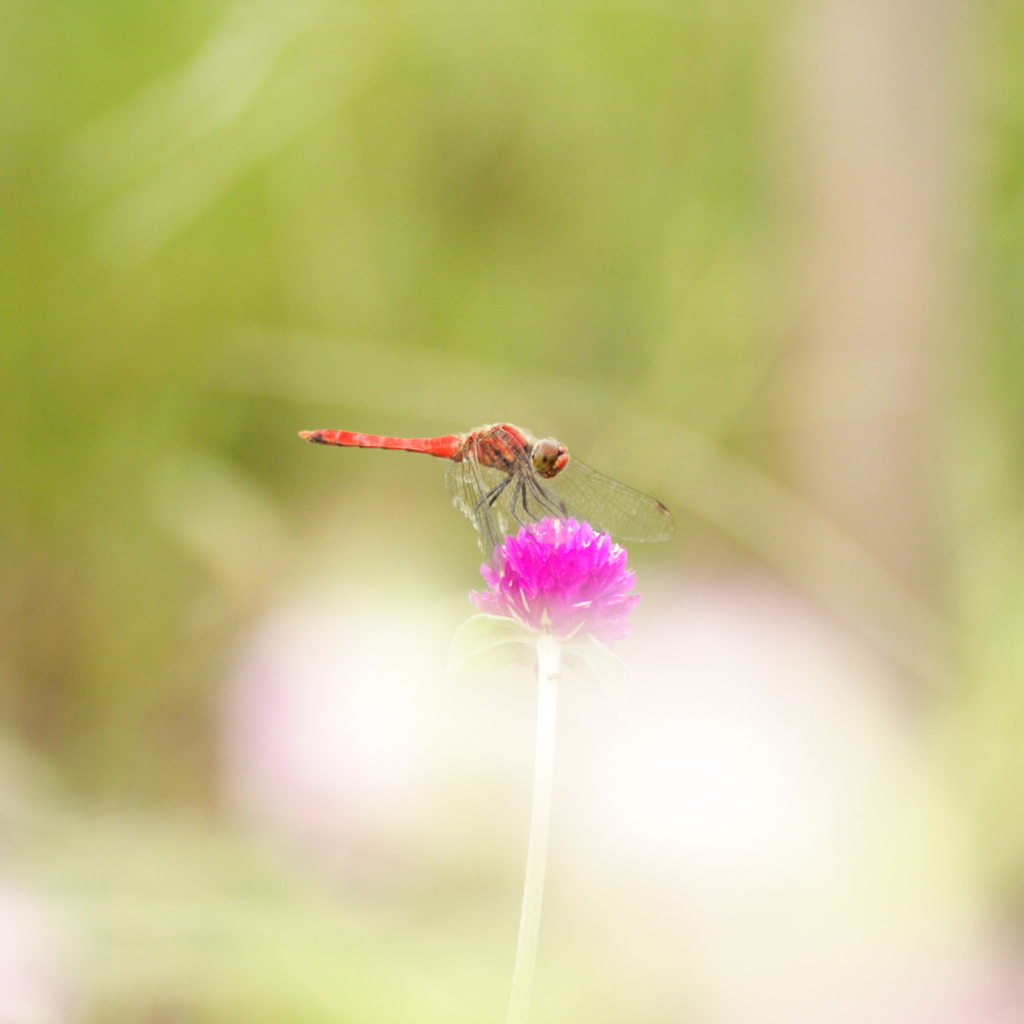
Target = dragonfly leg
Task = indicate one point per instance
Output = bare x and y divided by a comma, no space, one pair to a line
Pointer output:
492,495
550,504
520,492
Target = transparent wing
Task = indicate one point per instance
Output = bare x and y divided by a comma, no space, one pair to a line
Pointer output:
608,505
498,501
470,486
489,480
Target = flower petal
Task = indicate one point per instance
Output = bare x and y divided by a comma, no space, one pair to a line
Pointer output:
560,576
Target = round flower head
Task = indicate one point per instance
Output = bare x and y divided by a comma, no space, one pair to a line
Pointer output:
562,577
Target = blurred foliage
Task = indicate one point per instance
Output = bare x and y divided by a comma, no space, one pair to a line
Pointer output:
228,222
225,222
986,453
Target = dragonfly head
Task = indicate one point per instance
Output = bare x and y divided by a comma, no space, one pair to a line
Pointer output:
549,457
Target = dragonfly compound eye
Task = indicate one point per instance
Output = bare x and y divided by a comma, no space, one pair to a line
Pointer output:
549,457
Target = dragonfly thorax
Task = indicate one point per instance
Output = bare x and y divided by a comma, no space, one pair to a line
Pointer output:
549,457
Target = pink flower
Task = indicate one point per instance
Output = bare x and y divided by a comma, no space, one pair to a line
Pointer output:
561,576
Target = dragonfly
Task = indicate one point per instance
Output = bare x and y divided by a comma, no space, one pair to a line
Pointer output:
502,478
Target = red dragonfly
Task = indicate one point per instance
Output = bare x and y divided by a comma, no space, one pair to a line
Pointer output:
503,478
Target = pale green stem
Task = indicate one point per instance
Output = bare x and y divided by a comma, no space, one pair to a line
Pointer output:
549,659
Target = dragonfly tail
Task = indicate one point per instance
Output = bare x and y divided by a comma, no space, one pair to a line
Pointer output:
440,447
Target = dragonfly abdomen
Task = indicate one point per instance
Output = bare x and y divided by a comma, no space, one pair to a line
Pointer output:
440,447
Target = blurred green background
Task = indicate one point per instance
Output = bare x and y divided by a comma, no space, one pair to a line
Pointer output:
226,224
693,241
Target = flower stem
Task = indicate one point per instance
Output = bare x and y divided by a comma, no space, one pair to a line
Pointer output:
549,658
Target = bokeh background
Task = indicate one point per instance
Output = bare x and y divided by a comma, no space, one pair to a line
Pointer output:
764,261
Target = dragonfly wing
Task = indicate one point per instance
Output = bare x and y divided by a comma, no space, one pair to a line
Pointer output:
494,484
469,485
608,505
488,482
